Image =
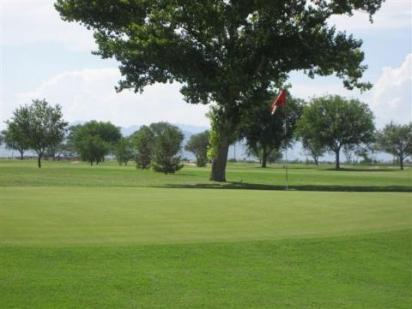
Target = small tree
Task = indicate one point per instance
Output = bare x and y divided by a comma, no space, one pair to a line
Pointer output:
143,143
396,140
94,140
334,122
124,151
198,145
265,133
168,141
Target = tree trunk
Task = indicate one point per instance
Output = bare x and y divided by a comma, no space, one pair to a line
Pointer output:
21,154
401,161
39,160
264,157
337,153
315,158
219,163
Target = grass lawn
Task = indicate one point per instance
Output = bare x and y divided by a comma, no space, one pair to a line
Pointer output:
72,236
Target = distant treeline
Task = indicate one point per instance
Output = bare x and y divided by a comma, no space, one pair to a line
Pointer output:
325,124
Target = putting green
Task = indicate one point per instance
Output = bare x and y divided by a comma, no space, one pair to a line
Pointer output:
74,215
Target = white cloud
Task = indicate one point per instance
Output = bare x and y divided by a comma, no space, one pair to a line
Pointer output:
392,94
307,88
90,94
393,15
36,21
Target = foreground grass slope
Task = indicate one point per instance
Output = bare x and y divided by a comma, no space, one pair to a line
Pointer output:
72,236
364,271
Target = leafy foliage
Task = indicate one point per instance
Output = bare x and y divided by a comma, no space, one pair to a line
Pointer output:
333,122
396,140
222,51
143,143
168,141
94,140
198,145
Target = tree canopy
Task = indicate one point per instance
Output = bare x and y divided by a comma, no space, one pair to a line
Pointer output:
94,140
38,126
333,122
222,51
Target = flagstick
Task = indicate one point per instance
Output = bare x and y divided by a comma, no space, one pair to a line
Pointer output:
286,150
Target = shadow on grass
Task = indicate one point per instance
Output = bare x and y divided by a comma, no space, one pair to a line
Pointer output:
344,169
252,186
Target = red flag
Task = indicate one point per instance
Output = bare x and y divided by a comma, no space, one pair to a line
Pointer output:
280,101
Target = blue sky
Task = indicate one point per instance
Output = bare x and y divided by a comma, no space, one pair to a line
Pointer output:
44,57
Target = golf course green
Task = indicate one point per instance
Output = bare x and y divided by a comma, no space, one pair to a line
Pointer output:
75,236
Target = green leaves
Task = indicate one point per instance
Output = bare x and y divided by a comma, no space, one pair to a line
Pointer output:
240,45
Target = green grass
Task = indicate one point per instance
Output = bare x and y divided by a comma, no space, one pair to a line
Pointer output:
72,236
246,176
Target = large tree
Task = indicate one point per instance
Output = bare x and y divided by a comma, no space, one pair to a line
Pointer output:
265,133
334,122
396,140
222,51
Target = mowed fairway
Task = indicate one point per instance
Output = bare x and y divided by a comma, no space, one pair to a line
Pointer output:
72,236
